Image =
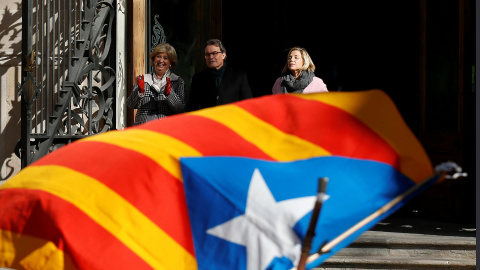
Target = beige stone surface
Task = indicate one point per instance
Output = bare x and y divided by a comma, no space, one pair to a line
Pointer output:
11,4
10,71
10,32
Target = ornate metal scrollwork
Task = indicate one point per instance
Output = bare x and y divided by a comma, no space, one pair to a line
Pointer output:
95,80
30,62
84,99
158,33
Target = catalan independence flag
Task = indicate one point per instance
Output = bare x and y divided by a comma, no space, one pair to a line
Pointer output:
254,214
135,199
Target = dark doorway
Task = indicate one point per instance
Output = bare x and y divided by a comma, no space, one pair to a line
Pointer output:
354,45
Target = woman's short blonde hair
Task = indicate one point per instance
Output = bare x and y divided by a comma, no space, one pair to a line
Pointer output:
164,48
307,61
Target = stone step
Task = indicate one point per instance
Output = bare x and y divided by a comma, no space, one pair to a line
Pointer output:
367,263
373,243
407,250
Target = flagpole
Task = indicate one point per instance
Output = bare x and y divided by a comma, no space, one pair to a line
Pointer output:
326,248
307,242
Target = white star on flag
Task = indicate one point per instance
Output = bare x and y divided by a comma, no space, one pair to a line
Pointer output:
266,228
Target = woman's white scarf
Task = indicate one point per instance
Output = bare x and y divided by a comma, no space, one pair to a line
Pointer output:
159,84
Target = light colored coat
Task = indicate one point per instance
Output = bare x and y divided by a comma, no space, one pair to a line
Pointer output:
316,86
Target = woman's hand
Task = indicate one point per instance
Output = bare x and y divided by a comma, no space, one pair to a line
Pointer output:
141,84
168,87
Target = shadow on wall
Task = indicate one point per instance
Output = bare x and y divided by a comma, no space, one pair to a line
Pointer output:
10,104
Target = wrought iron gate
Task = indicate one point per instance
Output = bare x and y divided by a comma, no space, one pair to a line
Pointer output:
68,85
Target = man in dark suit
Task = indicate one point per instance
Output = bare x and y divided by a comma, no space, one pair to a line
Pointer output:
218,84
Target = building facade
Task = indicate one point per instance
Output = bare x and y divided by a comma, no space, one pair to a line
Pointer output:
421,53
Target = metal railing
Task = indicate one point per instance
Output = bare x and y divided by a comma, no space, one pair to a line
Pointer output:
68,86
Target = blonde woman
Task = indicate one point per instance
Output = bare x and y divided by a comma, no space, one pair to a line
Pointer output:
161,93
298,75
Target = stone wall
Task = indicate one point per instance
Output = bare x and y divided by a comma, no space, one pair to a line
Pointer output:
10,74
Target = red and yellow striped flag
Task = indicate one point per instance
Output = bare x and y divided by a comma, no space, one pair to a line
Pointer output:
116,200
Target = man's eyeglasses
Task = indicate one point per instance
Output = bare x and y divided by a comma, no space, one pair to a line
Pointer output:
213,53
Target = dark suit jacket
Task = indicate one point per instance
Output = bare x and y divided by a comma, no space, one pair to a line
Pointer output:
234,87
